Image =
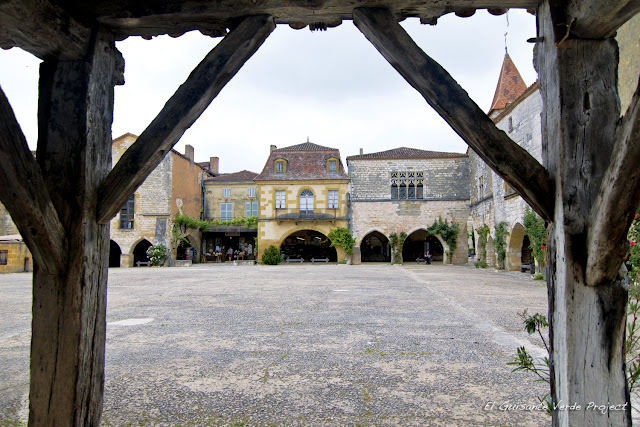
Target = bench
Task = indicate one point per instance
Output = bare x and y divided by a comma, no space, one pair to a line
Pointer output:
300,260
530,267
425,260
314,260
146,263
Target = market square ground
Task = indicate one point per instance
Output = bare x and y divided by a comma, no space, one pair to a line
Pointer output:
300,345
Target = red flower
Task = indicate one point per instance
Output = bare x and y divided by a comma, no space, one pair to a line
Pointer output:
542,247
451,222
633,243
396,242
636,217
449,229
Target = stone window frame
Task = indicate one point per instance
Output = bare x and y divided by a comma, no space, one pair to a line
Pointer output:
127,214
332,161
4,256
280,167
333,202
407,185
280,204
226,214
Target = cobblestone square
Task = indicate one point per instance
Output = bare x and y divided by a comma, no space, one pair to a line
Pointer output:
301,345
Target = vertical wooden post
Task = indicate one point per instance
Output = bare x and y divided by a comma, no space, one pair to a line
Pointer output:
69,302
578,81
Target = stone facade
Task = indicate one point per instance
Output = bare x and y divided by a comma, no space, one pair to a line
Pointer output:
14,255
628,38
445,195
174,186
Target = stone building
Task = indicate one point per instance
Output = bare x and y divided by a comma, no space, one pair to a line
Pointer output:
516,110
303,195
407,190
175,186
229,197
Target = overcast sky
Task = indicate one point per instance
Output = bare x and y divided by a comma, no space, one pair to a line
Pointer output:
331,86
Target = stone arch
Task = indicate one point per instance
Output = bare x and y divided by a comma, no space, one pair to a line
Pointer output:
181,250
374,247
114,254
307,243
514,248
139,251
418,241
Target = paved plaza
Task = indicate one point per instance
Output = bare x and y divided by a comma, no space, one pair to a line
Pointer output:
301,345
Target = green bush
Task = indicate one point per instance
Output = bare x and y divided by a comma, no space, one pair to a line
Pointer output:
157,254
271,256
538,276
480,264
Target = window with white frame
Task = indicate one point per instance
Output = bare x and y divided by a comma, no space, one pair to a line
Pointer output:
333,199
226,192
250,209
280,199
226,211
333,166
252,191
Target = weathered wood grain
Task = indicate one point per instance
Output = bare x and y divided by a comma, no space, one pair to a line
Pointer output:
587,323
43,29
180,112
513,163
617,200
597,19
69,304
25,195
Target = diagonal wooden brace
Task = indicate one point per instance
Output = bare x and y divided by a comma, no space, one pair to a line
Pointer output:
25,194
512,162
180,112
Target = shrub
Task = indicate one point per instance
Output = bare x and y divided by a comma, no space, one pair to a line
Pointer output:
342,237
157,254
481,264
538,276
500,244
271,256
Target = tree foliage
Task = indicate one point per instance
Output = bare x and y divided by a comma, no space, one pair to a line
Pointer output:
500,242
271,256
342,237
633,260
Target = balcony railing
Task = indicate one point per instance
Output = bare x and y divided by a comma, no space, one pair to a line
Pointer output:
322,214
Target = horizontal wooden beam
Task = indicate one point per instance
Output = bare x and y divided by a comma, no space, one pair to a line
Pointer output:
180,112
24,194
617,201
597,19
42,29
513,163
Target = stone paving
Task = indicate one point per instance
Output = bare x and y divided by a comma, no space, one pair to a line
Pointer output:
301,345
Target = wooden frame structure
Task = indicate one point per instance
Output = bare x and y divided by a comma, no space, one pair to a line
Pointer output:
587,188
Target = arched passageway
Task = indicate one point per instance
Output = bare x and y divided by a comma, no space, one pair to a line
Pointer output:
375,248
114,254
140,252
307,244
418,242
181,250
527,253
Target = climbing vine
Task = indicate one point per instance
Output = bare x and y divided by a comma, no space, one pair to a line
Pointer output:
342,237
537,234
448,231
483,233
500,243
396,241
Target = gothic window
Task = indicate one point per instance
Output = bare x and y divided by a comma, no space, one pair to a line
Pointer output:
127,213
407,185
411,191
419,191
394,191
402,191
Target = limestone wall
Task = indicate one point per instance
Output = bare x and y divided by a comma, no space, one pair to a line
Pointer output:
16,253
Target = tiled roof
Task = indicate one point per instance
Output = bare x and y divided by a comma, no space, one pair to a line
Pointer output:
235,176
510,85
406,153
509,108
306,146
303,162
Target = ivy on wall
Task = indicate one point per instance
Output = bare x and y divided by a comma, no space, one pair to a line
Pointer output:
449,233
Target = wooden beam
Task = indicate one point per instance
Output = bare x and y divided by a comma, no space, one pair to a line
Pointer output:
617,201
25,195
597,19
512,162
180,112
42,29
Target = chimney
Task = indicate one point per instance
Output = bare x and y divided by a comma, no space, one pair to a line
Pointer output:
361,151
188,152
213,165
273,147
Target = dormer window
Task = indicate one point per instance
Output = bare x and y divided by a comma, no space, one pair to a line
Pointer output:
281,167
332,166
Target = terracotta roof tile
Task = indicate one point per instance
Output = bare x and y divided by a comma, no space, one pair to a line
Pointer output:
303,162
510,85
244,175
406,153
